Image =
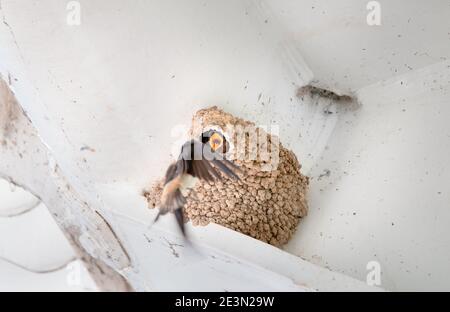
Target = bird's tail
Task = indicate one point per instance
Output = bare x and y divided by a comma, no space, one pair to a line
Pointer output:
175,204
179,215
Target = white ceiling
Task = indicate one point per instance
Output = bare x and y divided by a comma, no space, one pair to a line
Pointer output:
345,53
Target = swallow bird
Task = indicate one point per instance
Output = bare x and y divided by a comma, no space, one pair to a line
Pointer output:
198,160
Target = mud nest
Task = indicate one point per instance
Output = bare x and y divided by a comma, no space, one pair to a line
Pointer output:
268,201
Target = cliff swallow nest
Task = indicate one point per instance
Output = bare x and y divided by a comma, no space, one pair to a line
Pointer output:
268,201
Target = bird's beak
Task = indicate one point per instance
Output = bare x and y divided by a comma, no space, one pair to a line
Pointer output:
215,146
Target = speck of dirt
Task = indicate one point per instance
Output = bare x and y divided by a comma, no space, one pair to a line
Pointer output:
87,148
326,173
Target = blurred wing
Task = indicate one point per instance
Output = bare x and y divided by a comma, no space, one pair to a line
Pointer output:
198,162
227,167
171,173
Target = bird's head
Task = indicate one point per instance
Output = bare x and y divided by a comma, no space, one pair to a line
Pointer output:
216,141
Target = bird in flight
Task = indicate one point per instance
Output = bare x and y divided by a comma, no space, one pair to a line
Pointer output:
202,160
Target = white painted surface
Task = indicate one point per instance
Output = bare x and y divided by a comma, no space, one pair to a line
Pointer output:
128,74
387,196
346,54
14,279
33,250
15,200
